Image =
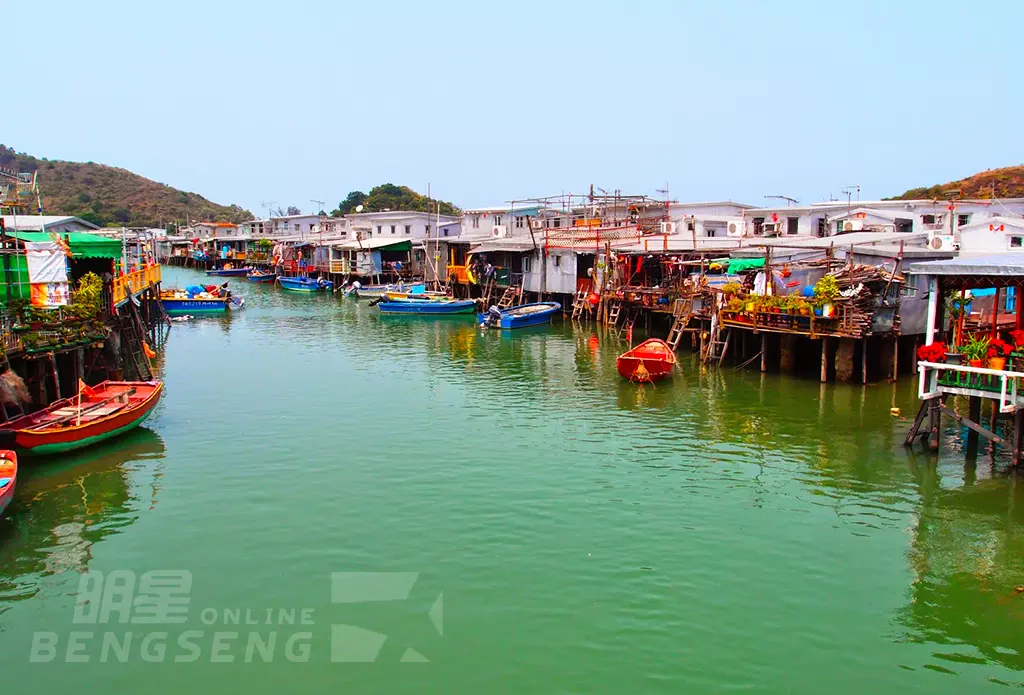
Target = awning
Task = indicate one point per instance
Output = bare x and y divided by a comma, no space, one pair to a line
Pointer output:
379,245
738,265
83,244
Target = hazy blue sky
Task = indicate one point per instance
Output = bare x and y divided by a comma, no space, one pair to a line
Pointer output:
487,101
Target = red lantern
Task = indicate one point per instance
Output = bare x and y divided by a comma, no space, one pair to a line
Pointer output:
594,299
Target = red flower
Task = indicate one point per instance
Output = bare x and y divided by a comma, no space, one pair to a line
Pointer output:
999,348
1017,337
936,352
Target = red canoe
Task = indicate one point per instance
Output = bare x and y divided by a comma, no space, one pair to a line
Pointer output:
8,477
651,360
96,414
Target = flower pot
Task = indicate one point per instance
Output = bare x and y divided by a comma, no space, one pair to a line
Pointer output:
749,306
817,311
953,358
827,311
974,363
997,363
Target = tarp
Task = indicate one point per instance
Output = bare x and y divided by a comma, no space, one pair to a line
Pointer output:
83,244
46,262
738,265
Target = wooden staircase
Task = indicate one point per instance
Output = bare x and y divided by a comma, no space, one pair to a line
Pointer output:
614,312
682,310
510,297
136,363
581,305
717,347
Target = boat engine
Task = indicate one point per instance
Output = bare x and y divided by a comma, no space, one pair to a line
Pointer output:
491,318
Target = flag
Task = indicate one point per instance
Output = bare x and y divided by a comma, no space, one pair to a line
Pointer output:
84,390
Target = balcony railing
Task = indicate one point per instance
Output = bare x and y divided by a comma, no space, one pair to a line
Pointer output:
126,285
938,379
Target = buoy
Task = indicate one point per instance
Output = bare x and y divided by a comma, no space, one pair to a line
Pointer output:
148,350
895,412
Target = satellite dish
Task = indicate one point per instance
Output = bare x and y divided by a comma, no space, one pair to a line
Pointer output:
359,208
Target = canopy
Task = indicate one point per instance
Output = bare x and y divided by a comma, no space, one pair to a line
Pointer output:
738,265
83,244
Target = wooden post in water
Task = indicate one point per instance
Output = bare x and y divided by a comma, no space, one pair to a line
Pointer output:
764,352
973,413
934,423
864,361
824,359
1018,433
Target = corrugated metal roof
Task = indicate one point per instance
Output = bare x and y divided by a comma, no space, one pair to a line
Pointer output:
39,223
1000,264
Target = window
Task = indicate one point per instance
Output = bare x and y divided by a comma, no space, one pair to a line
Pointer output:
558,260
497,219
1017,242
378,230
428,230
526,264
408,229
445,233
298,227
557,222
691,225
392,229
821,228
311,227
344,234
758,226
963,220
476,221
792,225
519,222
927,219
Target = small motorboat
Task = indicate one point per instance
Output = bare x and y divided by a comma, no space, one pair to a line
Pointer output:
95,414
196,299
377,291
304,284
261,276
228,272
429,296
650,361
520,316
428,307
8,477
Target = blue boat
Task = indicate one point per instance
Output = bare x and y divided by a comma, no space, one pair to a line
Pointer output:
176,303
437,308
520,316
305,284
229,272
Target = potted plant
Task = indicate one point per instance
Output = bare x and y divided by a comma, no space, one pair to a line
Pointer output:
826,291
731,288
935,352
975,351
998,351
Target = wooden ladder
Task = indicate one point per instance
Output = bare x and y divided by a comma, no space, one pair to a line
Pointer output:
509,297
681,311
717,347
581,305
614,311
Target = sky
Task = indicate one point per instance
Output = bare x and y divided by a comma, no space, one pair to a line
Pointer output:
489,101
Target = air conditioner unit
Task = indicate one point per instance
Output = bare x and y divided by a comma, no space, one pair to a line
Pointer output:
499,231
668,227
943,243
853,225
537,224
735,229
770,228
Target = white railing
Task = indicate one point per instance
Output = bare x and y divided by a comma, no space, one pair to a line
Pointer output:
928,384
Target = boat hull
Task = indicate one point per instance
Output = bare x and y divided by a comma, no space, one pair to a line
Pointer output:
195,306
10,460
230,273
651,361
267,279
428,308
304,285
46,442
510,319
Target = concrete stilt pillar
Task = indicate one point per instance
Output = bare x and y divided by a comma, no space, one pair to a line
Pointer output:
787,353
844,359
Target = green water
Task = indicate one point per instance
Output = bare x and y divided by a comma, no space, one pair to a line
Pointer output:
567,532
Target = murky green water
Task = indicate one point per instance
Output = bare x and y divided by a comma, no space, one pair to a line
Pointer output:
535,524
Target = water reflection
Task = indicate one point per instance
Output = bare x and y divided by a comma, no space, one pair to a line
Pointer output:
64,506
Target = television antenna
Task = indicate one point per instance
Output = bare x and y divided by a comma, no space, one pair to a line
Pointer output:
791,201
319,205
849,190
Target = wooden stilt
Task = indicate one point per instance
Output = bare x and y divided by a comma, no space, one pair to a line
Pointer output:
824,360
974,413
764,352
974,428
934,423
864,361
915,429
896,358
1018,431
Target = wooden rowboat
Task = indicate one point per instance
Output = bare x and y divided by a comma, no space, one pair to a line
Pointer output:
260,276
8,477
228,273
520,316
650,361
428,307
97,413
304,284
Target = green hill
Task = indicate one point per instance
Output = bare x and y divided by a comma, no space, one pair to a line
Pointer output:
107,195
1007,182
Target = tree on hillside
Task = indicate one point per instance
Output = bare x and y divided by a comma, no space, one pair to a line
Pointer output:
388,196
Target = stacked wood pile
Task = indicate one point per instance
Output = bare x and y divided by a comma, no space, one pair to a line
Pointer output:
863,290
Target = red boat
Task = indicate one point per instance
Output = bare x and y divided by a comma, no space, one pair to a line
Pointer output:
8,477
95,414
651,360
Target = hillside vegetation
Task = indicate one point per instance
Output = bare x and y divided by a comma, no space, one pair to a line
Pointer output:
388,196
1007,182
107,195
